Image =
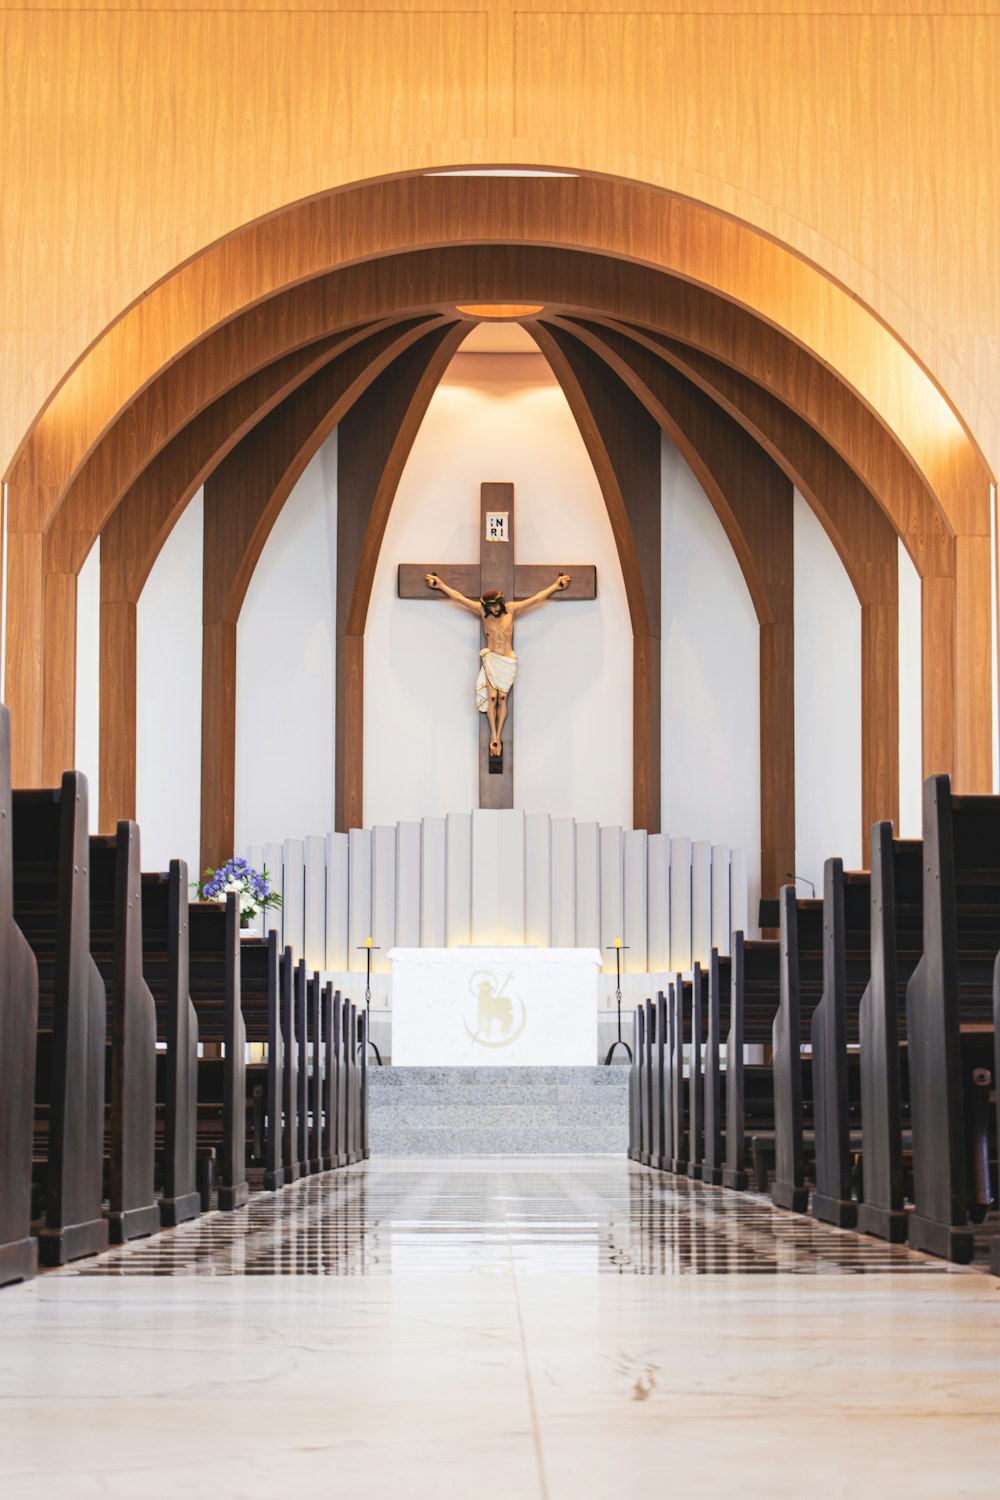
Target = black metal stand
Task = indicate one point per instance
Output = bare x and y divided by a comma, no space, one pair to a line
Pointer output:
369,948
619,948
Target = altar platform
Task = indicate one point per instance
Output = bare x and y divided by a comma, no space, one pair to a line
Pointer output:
475,1111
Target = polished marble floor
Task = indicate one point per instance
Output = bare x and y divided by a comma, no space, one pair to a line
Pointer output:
554,1328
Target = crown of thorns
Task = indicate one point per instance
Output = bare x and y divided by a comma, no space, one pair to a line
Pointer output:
491,597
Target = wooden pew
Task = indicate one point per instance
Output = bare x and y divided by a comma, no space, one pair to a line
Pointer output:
951,989
995,1247
18,1029
364,1151
646,1099
696,1133
734,1173
290,1080
116,948
719,987
316,1081
897,928
52,909
330,1062
165,969
659,1143
215,992
302,1072
800,982
260,1003
351,1090
678,1031
847,903
635,1085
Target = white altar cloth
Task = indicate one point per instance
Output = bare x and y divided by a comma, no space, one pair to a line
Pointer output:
494,1007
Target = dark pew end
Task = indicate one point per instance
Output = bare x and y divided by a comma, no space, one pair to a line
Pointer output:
56,1247
133,1223
174,1211
886,1224
841,1212
947,1241
18,1260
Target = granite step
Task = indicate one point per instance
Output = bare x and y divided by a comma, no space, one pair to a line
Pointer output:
497,1111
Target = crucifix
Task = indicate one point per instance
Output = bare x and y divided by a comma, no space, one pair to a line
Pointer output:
475,584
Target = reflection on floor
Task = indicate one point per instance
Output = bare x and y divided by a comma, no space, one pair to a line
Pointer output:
496,1215
505,1329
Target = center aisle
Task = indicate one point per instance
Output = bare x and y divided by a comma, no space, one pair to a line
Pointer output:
501,1327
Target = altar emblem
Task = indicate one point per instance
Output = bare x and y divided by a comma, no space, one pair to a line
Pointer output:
498,1017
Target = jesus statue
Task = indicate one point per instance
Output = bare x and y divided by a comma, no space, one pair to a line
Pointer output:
499,662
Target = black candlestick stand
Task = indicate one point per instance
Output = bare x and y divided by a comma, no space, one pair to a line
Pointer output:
371,948
619,948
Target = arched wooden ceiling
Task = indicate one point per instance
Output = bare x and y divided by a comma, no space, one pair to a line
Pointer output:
349,284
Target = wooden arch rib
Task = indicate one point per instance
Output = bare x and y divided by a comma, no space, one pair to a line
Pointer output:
754,502
663,309
859,530
625,221
136,531
243,498
624,448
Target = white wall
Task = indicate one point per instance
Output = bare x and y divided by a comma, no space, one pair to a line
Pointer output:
499,417
710,676
168,699
88,683
286,666
911,773
827,703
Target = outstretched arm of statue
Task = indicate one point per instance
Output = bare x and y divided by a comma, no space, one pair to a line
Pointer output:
562,582
434,582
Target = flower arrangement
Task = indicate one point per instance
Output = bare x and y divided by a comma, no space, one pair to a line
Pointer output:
240,877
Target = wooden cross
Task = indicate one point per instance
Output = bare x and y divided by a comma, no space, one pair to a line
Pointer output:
496,569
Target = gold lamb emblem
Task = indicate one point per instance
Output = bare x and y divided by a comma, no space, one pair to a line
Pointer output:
500,1018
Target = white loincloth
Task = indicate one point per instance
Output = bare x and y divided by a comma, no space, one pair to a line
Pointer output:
497,672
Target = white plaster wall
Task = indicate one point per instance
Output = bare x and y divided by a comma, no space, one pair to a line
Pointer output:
710,677
827,703
88,682
499,417
285,668
168,699
910,700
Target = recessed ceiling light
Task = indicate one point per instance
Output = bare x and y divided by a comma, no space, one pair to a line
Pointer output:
499,310
498,172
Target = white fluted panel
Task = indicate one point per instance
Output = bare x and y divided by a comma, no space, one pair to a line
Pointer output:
658,903
432,883
562,905
315,899
337,901
588,885
294,896
636,914
701,902
721,929
254,856
612,894
680,904
359,912
273,864
497,877
458,880
383,896
408,885
537,880
739,915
